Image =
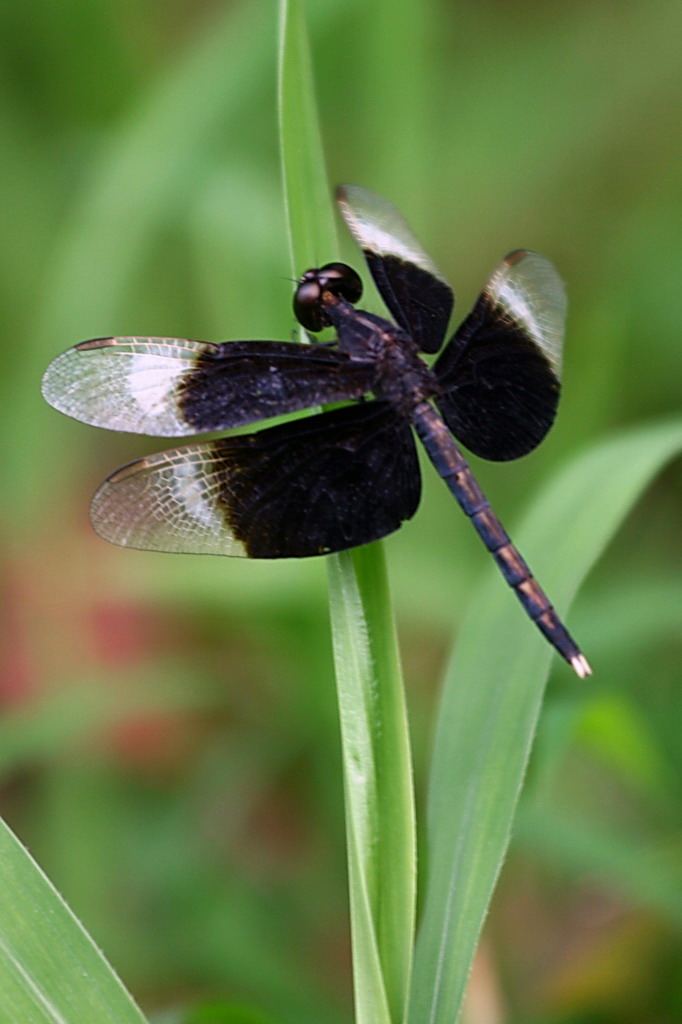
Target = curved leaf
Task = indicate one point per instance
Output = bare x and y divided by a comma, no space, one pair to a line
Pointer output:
492,699
51,972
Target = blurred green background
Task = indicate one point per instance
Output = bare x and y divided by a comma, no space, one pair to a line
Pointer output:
169,738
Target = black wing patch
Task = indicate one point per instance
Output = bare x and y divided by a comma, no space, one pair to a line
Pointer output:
500,371
408,280
322,483
172,387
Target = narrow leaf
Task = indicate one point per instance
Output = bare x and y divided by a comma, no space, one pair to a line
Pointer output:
376,756
50,970
492,699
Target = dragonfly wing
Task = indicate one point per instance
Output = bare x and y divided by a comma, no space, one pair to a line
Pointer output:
500,373
319,484
408,280
172,387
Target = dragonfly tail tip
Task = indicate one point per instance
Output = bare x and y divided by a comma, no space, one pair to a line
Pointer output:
581,665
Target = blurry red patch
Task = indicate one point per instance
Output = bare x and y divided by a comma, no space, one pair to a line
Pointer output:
122,632
157,742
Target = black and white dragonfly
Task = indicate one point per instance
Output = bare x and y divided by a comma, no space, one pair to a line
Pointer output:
350,475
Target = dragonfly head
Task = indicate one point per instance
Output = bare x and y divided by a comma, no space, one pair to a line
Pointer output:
336,279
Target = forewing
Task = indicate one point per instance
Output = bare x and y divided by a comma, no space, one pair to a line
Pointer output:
320,484
410,284
500,373
172,387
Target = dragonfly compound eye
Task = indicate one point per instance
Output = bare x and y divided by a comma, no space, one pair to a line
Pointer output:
337,278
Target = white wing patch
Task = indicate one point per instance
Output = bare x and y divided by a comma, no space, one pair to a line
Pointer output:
379,228
528,289
124,383
151,383
166,502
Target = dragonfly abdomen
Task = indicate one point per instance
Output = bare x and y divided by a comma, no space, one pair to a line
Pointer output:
455,471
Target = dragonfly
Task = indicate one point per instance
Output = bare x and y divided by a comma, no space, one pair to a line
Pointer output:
349,475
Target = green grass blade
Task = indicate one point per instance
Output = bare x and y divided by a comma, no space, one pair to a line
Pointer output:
492,699
312,235
377,766
377,779
50,970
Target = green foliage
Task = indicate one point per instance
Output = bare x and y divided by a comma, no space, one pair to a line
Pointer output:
50,970
199,836
491,704
377,769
